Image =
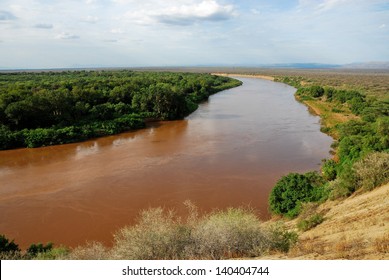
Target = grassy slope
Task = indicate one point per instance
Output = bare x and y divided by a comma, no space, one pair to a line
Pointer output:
354,228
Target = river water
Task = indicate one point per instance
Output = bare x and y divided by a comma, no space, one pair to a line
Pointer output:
230,152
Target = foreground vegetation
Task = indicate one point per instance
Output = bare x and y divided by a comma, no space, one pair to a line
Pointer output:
40,109
160,234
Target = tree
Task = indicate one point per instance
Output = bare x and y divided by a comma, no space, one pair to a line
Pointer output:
7,246
293,189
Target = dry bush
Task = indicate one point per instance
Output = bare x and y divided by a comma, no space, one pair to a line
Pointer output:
381,244
230,233
158,235
91,251
372,171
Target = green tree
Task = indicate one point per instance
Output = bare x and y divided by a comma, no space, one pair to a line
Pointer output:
292,190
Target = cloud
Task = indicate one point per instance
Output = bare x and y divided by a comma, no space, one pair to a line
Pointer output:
330,4
117,31
43,26
90,19
207,10
382,26
5,16
67,36
189,14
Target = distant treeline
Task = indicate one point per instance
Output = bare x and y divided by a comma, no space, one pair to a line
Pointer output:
40,109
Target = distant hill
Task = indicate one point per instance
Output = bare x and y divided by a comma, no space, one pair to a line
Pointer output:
303,66
367,65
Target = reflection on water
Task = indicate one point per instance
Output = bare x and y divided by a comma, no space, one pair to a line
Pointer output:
86,150
230,152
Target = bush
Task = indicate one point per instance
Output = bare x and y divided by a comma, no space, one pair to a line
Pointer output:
328,169
7,246
310,222
365,174
292,190
372,171
39,248
281,239
227,234
235,232
156,236
92,251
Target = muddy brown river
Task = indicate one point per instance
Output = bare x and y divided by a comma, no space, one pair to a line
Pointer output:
230,152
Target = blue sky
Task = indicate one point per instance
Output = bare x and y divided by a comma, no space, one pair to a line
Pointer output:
126,33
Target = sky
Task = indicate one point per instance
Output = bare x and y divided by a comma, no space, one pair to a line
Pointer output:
37,34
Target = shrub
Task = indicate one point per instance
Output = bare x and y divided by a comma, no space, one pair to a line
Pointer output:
39,248
58,253
9,250
235,232
292,190
157,235
365,174
328,169
281,239
311,222
7,246
92,251
372,171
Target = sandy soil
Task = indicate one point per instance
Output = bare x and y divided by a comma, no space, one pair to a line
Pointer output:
354,228
246,76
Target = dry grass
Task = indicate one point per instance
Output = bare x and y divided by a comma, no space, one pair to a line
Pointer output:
329,118
354,228
381,244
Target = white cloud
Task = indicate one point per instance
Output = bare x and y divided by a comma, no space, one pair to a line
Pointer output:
185,14
67,36
117,31
90,19
382,26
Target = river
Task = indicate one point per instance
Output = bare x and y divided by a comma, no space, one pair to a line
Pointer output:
230,152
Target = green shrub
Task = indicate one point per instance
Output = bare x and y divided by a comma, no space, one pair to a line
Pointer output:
310,222
281,239
58,253
7,246
292,190
39,248
365,174
328,169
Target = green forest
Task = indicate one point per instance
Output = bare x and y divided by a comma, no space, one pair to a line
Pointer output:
47,108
